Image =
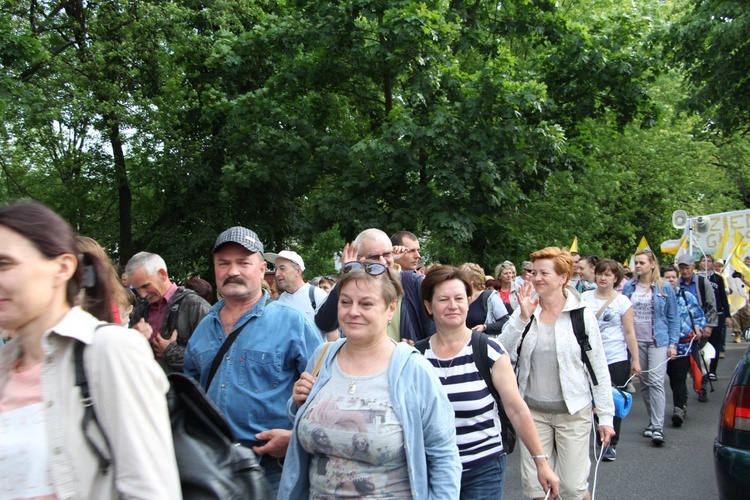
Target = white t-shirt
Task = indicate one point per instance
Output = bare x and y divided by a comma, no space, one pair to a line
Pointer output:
300,300
610,325
643,311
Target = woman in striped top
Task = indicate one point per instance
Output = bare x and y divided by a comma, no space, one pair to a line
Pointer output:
446,291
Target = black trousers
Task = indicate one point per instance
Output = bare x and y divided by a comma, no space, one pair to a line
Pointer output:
677,370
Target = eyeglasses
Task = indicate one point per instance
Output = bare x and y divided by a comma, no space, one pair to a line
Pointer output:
527,270
371,268
330,278
377,256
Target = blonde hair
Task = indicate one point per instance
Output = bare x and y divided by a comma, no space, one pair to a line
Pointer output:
475,273
655,272
503,266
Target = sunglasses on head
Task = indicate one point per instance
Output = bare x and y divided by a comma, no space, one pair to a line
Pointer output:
371,268
330,278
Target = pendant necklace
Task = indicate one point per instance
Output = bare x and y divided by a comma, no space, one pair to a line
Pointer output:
353,385
445,369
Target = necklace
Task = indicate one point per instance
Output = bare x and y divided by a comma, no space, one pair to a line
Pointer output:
353,385
445,369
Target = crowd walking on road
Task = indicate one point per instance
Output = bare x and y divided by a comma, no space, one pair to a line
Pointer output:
395,378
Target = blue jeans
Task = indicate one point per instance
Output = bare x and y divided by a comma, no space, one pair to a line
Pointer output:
484,482
272,467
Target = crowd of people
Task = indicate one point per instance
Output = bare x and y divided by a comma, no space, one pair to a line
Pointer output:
392,379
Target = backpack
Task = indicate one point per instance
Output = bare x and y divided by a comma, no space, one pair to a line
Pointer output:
579,329
311,292
210,462
481,360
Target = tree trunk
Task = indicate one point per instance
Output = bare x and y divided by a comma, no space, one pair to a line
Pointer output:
125,196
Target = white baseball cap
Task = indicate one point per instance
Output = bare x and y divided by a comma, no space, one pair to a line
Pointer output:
288,255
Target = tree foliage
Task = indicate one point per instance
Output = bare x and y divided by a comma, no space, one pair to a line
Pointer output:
711,44
488,129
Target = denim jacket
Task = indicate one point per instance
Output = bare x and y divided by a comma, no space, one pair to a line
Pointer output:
255,379
666,318
425,414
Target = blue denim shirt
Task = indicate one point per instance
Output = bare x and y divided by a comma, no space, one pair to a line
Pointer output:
426,417
666,319
255,380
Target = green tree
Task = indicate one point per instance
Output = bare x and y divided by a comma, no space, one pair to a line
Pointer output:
711,44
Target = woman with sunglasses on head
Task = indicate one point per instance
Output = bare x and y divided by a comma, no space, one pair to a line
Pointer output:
615,315
657,330
446,292
327,282
375,420
554,377
126,450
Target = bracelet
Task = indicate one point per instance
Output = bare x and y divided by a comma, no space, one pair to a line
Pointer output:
536,457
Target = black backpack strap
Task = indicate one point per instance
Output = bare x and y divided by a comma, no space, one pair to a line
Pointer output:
422,345
89,416
523,336
579,329
481,359
311,292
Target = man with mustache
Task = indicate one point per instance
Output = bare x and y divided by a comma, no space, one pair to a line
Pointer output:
168,314
268,346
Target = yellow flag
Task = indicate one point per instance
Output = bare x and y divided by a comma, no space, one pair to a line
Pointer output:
574,245
737,257
643,245
738,299
675,249
723,251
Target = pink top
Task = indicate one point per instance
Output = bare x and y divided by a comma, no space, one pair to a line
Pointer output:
23,437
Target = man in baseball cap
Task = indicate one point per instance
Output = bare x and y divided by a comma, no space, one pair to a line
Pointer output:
289,268
269,351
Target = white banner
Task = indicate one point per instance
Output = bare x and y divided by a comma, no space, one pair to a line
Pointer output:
709,241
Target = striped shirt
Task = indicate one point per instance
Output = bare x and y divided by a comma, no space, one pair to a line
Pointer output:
477,422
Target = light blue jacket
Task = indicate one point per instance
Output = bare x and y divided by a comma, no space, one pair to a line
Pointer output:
666,318
425,414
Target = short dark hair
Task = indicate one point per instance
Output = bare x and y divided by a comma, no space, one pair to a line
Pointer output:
202,287
438,275
53,236
398,238
611,265
592,259
494,284
669,267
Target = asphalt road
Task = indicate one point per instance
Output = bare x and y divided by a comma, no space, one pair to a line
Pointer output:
681,469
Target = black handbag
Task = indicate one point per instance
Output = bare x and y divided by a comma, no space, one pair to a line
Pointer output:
212,465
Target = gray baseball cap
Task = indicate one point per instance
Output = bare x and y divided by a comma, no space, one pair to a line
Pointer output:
242,236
